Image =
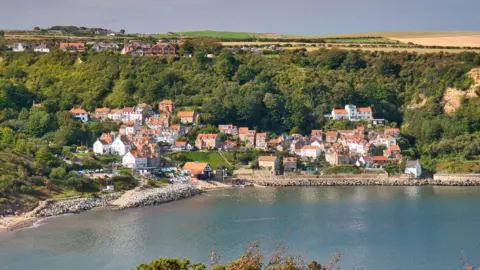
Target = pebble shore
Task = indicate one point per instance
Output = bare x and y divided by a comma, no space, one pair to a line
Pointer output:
55,208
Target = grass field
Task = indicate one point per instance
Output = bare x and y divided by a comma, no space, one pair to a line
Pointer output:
212,158
217,34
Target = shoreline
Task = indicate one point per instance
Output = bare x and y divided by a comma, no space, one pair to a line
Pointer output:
134,198
361,182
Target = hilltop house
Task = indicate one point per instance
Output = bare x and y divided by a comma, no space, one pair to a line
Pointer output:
103,144
135,160
72,47
181,146
80,114
207,141
269,163
413,167
105,46
186,117
250,138
160,48
167,106
115,114
352,113
332,136
201,170
337,158
44,48
20,47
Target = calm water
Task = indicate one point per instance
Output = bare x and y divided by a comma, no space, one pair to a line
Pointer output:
372,227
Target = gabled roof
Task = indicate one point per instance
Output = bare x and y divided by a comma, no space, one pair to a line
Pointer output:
102,110
112,111
340,111
367,109
180,143
267,158
209,136
311,147
167,102
186,113
243,130
78,111
261,135
138,154
332,134
128,109
394,148
68,45
380,158
226,127
289,159
195,166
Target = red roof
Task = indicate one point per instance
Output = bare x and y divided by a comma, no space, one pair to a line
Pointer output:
379,158
243,130
267,158
312,147
364,109
167,102
195,167
228,142
261,135
394,148
186,114
180,143
289,159
210,136
64,45
128,109
332,134
102,110
116,110
340,111
78,111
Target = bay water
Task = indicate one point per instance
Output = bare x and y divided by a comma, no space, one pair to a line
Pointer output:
371,227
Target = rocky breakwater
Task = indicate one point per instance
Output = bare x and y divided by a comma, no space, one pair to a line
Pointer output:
55,208
157,196
363,182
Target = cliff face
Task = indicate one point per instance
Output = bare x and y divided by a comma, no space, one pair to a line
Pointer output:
452,98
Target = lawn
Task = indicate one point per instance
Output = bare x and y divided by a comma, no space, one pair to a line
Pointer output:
212,158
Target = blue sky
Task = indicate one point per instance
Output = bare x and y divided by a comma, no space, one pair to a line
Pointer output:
303,17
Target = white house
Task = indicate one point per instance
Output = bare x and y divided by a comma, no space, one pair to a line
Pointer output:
352,113
126,113
115,114
80,114
135,160
44,48
132,127
120,146
19,47
386,140
101,147
309,151
413,167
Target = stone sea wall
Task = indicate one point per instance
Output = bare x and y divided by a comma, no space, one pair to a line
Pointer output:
353,181
55,208
159,195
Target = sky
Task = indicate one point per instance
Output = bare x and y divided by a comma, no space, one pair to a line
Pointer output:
301,17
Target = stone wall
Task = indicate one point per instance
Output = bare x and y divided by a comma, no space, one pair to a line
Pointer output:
457,177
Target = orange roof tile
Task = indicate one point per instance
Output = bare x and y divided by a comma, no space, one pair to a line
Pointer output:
102,110
310,147
340,111
332,134
128,109
180,143
379,158
186,114
243,130
289,159
195,166
209,136
78,111
267,158
394,148
166,102
367,109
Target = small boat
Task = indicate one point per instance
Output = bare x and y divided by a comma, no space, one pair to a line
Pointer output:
242,186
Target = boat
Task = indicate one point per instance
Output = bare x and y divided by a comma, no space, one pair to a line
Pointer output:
242,186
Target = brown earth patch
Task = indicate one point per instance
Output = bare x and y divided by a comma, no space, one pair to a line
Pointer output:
452,97
454,41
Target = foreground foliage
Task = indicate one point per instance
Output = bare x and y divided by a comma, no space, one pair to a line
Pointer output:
252,259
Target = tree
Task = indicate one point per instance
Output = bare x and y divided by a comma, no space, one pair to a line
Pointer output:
122,31
2,34
36,28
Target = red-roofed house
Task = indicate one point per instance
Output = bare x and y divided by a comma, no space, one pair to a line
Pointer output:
228,129
199,169
186,117
229,145
166,106
310,151
270,163
181,146
135,160
352,113
261,141
72,47
289,164
336,158
394,132
379,160
393,151
250,138
102,113
80,114
207,141
332,136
